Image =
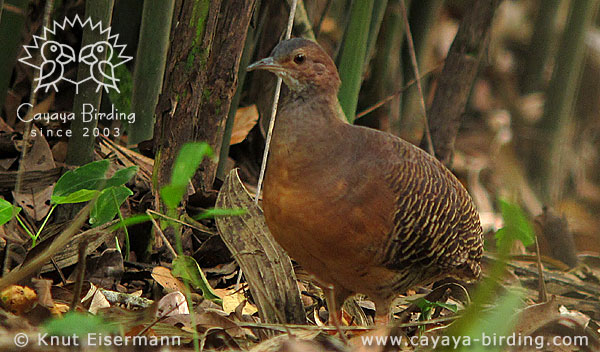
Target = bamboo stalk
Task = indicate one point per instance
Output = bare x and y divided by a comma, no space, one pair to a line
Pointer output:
558,114
379,9
150,66
540,48
352,56
12,21
386,74
81,145
422,17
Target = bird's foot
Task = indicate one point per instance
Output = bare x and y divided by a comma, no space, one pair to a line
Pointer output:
382,319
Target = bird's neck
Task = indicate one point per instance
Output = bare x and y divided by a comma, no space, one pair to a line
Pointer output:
306,129
302,117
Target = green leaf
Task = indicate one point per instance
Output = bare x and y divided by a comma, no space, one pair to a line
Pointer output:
189,158
186,268
424,304
132,220
79,325
82,195
107,205
7,211
215,212
516,226
121,177
172,195
86,177
499,321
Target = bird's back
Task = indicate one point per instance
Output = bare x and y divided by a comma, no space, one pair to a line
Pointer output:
434,221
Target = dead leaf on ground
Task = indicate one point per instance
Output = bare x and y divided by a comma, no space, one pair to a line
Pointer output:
39,158
245,119
173,303
164,278
43,289
18,299
232,301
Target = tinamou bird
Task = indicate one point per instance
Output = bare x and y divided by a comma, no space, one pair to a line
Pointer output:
102,71
362,210
55,56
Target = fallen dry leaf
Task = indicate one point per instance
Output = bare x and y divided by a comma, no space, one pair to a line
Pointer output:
39,158
173,303
245,119
164,278
18,299
232,301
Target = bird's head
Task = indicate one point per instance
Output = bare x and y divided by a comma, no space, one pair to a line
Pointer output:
90,54
67,55
302,65
64,54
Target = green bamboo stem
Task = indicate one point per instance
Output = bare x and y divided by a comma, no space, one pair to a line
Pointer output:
80,150
558,114
386,74
150,66
540,48
379,8
352,56
12,21
423,15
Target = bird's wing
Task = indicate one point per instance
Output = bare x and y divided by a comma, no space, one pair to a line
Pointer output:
108,73
46,71
432,218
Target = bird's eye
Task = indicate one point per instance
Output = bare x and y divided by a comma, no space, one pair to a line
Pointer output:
299,59
100,49
53,48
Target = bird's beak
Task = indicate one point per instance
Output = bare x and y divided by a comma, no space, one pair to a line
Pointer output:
266,64
66,56
87,55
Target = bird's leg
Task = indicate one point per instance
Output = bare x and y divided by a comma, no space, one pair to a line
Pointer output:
382,319
382,313
332,307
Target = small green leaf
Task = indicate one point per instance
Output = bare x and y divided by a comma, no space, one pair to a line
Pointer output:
424,304
132,220
187,268
80,325
172,195
189,158
121,177
82,195
500,320
7,211
516,226
86,177
215,212
107,205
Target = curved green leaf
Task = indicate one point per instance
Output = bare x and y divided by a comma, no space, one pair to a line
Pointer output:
7,211
107,205
86,177
187,268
